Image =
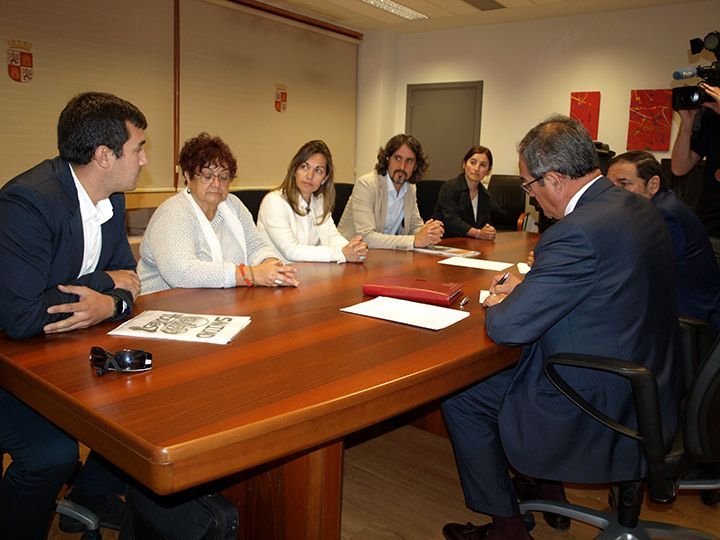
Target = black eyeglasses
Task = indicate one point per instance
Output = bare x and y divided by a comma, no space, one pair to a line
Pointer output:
127,360
526,185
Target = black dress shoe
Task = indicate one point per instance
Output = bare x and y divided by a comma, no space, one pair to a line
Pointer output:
108,508
528,489
458,531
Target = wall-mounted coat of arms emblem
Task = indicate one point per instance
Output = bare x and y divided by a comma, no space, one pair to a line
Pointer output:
20,60
281,98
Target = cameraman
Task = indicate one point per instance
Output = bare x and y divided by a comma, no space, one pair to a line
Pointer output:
691,145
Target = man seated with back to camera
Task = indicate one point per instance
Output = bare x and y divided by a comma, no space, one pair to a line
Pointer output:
698,137
698,277
383,205
603,284
66,265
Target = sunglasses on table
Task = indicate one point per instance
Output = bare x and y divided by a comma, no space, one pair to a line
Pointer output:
125,360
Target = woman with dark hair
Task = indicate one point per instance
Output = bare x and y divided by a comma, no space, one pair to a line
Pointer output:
203,238
296,218
463,203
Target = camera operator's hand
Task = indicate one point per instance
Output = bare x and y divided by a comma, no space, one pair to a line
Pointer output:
687,116
683,159
713,92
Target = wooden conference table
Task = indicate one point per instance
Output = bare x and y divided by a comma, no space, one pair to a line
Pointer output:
267,413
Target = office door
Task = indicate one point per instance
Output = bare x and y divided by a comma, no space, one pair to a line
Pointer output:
445,118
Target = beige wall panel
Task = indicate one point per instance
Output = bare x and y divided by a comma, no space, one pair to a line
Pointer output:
120,47
231,62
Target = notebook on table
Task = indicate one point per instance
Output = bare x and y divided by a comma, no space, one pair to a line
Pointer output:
416,289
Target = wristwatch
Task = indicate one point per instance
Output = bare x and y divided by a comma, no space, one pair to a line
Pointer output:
119,305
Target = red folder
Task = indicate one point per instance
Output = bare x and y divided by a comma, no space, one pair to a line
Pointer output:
416,289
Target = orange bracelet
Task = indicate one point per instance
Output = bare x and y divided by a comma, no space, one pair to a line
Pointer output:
247,281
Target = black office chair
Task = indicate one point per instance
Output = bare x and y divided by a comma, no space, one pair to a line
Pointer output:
427,196
251,198
88,519
507,200
342,195
698,442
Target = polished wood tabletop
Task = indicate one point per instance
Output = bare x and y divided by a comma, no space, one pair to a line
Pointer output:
300,377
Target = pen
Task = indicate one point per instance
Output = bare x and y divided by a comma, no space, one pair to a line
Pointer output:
464,301
503,279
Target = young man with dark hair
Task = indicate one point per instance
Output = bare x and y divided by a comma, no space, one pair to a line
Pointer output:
66,265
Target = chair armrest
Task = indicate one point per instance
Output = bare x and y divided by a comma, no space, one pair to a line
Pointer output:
645,398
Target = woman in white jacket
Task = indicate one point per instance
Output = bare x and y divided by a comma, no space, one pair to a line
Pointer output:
296,218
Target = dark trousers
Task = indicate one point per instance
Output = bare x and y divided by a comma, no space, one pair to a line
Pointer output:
43,458
100,477
472,420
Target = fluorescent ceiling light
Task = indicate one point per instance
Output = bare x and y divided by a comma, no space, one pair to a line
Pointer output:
396,9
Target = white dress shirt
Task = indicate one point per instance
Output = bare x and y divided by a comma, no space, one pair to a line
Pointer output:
93,216
395,212
572,203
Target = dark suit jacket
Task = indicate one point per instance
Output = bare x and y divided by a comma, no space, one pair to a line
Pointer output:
41,247
454,207
698,278
603,283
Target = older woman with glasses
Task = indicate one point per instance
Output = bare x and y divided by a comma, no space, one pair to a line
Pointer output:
203,238
296,218
463,202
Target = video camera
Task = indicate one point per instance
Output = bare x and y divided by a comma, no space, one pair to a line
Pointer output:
692,97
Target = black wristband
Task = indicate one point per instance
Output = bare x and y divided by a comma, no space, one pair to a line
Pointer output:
119,305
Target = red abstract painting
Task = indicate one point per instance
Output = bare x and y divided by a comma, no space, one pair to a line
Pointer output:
650,120
585,108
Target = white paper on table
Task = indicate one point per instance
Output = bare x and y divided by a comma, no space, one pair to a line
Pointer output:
484,293
523,268
407,312
198,328
476,263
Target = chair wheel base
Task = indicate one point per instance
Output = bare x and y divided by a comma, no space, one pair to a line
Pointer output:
529,521
710,498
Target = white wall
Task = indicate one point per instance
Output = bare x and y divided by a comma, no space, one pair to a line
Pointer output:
530,68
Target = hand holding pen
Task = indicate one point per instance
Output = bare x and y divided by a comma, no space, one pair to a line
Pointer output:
501,286
504,283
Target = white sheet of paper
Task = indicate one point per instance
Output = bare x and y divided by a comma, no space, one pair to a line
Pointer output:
407,312
483,295
199,328
497,266
523,268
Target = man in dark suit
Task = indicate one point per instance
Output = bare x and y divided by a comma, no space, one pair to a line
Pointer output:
698,277
603,283
66,264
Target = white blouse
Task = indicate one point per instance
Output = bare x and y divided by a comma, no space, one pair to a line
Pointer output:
299,238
